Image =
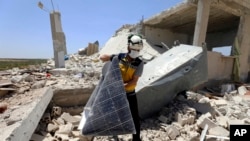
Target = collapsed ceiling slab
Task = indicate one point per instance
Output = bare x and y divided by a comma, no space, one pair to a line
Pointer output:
224,15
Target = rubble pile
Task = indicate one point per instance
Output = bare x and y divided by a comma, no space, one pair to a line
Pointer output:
190,116
186,117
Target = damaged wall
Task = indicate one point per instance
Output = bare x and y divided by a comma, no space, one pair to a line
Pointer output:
227,21
158,35
219,39
219,67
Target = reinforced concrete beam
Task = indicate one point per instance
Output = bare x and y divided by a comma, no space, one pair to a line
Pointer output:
25,118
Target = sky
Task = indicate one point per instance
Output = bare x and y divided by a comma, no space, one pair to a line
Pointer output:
25,30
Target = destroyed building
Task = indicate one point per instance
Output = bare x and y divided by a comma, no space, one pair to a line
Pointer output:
217,23
57,100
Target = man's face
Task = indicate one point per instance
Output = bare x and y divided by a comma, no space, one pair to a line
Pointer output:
129,49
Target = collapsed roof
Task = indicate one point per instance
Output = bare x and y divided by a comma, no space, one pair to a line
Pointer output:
223,15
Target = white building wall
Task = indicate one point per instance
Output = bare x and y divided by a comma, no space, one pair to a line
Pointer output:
158,35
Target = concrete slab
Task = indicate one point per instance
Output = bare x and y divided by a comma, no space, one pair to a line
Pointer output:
19,122
5,83
180,68
72,96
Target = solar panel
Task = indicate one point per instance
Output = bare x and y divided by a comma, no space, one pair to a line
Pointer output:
107,110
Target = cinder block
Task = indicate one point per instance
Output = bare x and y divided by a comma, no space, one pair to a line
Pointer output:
202,121
68,118
172,132
52,127
61,137
65,129
218,131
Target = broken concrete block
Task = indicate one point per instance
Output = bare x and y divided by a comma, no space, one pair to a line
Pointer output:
202,121
172,132
222,121
29,78
52,127
65,129
222,110
246,121
5,82
46,118
37,137
4,91
220,102
68,118
38,84
204,100
58,121
56,111
190,111
242,90
23,89
76,133
61,137
235,122
218,131
16,79
190,120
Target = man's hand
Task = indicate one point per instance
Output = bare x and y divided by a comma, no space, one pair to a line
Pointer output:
105,57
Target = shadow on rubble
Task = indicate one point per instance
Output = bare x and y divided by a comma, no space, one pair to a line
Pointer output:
182,111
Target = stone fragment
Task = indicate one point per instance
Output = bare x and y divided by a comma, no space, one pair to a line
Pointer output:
222,121
37,137
222,110
29,78
203,120
218,131
59,121
61,137
204,100
65,129
242,90
203,108
4,91
52,127
16,79
23,89
68,118
38,84
56,111
50,82
172,132
235,122
220,102
46,118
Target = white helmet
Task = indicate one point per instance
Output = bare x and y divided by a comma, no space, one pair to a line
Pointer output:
135,42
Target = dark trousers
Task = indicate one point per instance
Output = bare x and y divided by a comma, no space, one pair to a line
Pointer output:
135,114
